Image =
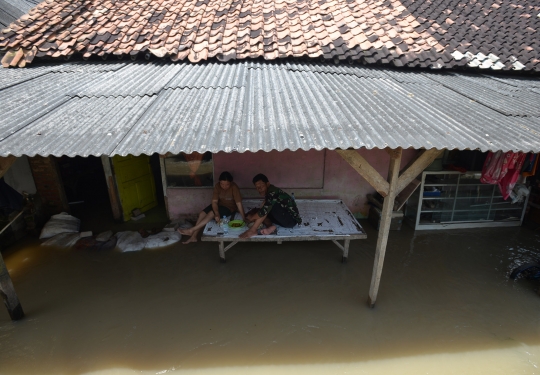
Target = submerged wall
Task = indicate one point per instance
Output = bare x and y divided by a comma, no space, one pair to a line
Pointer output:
309,174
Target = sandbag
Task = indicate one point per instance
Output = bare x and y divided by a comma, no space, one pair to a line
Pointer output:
93,244
162,239
133,241
61,223
130,241
62,240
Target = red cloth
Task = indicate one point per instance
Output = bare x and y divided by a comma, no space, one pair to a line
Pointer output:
503,169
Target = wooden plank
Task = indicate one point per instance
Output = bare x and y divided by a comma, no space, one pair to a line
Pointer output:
405,194
12,221
365,170
278,238
222,252
7,291
384,228
374,201
229,246
339,245
412,171
164,183
116,205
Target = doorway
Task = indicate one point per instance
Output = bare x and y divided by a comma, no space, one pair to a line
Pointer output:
87,192
85,188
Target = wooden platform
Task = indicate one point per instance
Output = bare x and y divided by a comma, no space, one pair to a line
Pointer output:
322,220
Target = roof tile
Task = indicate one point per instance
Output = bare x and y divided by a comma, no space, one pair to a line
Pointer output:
425,33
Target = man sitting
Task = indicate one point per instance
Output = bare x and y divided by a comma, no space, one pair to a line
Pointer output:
225,201
278,208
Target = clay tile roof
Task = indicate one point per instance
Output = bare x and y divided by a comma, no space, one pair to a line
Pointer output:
483,34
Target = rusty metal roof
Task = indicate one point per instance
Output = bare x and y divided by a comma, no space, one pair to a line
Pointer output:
484,34
146,107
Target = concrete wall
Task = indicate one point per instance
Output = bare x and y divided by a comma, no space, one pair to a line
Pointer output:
19,176
309,174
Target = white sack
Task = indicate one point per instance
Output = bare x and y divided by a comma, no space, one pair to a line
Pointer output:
162,239
61,223
62,240
130,241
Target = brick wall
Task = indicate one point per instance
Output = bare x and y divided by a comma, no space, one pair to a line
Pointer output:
49,184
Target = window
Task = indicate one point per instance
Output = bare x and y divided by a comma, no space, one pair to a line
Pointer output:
190,170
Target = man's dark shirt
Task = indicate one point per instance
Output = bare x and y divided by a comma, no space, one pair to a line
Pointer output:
274,196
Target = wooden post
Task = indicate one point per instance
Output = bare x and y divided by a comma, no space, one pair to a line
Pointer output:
416,166
384,228
389,190
365,170
7,291
222,252
116,206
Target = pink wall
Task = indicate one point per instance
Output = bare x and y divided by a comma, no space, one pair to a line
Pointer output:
309,174
294,169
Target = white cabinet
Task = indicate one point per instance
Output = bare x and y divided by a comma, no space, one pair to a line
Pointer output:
459,200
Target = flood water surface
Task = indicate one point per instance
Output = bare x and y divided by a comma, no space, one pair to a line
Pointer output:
445,306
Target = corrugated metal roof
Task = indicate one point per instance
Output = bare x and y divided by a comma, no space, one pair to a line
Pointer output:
94,67
10,10
23,5
11,77
83,127
189,120
513,103
133,108
32,99
135,79
210,75
475,123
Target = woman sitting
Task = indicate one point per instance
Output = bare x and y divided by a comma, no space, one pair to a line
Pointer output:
225,202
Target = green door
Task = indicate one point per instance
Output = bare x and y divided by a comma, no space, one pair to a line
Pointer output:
135,183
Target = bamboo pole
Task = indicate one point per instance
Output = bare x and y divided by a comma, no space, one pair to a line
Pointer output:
384,227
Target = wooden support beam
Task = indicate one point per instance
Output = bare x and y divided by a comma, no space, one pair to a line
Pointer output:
7,291
114,197
415,167
365,170
384,227
5,163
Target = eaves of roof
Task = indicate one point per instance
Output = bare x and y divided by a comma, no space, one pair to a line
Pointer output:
142,108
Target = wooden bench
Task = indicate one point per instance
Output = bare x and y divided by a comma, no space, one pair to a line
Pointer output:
322,220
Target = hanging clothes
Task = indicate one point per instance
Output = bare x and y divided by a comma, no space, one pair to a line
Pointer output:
503,169
530,166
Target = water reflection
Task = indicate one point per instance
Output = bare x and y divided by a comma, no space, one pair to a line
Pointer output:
445,306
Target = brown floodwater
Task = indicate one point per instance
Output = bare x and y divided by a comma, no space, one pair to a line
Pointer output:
445,306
